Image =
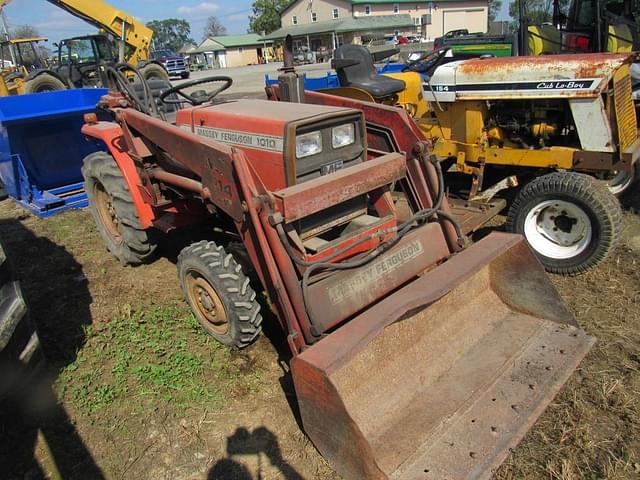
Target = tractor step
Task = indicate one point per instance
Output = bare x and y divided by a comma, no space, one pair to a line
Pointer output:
472,215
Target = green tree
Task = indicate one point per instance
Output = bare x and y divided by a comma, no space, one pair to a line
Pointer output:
494,9
266,15
24,31
214,28
170,34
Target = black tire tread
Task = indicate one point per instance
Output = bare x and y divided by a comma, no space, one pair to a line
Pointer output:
590,191
139,244
35,85
20,352
153,70
232,285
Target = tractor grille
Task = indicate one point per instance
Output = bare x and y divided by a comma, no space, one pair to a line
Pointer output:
624,108
328,162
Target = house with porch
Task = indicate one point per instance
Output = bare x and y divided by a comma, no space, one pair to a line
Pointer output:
330,23
230,51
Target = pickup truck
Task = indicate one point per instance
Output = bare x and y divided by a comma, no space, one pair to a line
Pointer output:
174,64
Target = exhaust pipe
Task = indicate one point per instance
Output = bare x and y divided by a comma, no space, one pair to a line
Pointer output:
290,83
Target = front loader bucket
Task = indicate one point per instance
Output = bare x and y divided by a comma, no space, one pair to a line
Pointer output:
441,378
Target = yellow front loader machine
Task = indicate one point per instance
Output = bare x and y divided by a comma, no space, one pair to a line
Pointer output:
81,61
530,133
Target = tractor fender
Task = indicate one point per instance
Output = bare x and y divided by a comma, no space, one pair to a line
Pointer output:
53,73
111,135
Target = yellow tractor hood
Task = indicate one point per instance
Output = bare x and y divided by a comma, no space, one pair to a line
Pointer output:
551,76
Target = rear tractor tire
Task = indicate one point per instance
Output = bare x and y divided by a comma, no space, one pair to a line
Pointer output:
44,83
219,294
114,212
570,221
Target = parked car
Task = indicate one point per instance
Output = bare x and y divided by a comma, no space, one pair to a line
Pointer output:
172,62
462,32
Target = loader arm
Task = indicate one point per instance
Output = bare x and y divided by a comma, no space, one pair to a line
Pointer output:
123,26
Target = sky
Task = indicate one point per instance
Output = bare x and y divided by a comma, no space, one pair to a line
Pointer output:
56,24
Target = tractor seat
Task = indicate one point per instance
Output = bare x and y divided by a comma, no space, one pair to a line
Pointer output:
157,86
354,66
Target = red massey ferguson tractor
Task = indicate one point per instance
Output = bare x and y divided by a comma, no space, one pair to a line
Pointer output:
413,354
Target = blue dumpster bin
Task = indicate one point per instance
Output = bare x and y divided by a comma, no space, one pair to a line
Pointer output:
330,79
42,148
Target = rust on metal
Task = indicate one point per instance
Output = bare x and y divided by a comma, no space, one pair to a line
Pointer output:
395,356
404,135
586,65
315,195
208,159
344,293
481,341
473,215
177,180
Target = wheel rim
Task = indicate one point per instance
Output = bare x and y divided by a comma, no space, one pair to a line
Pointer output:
619,180
107,212
558,229
207,304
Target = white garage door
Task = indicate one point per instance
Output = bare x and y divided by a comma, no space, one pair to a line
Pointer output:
473,19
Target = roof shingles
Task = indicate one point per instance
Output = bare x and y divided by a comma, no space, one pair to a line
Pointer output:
349,24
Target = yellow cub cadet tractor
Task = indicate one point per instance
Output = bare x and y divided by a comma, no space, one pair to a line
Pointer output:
543,127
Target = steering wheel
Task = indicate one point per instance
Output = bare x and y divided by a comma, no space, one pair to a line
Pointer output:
425,62
201,97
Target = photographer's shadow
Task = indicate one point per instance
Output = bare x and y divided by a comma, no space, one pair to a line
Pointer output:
260,442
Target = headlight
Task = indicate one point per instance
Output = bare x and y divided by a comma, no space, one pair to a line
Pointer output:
308,144
343,135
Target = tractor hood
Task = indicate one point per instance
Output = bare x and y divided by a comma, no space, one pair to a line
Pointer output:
551,76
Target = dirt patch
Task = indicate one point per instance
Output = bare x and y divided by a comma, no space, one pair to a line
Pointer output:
592,429
142,393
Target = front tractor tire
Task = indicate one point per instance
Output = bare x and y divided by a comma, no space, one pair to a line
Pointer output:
219,294
114,212
570,220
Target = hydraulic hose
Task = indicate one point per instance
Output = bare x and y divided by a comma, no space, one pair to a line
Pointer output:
402,229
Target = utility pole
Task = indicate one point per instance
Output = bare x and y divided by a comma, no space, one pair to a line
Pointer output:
6,37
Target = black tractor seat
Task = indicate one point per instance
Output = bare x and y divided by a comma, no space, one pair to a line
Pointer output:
354,66
157,86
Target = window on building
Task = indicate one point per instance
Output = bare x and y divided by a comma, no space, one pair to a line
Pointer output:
367,9
416,21
396,8
314,17
240,49
336,13
294,20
